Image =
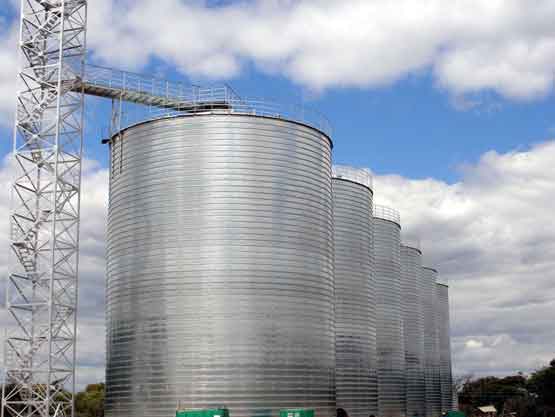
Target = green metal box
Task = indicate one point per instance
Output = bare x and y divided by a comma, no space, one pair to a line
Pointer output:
206,412
296,412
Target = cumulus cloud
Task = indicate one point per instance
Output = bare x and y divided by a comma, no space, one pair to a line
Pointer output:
470,46
8,70
473,344
491,236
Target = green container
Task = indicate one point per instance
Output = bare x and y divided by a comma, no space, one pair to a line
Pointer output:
296,412
203,412
455,414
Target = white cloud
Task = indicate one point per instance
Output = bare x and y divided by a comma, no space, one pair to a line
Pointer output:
491,235
471,45
473,344
8,70
495,355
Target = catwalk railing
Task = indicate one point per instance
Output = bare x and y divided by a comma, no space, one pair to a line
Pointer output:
361,176
387,213
165,98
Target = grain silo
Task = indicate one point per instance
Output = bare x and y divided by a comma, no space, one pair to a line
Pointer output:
443,328
355,309
389,319
413,328
431,343
220,284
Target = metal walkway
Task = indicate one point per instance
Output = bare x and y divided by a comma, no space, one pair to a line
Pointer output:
166,98
154,92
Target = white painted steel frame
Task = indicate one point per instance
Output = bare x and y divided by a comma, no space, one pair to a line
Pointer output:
41,294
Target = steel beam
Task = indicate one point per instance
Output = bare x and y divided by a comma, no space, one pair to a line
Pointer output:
41,295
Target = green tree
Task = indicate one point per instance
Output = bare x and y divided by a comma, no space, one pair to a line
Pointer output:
524,406
526,397
90,403
542,384
492,390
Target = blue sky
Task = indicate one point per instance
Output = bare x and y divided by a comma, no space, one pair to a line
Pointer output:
411,128
451,104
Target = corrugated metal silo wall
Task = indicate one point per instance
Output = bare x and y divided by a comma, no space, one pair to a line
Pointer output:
355,309
431,343
413,327
444,347
220,284
389,320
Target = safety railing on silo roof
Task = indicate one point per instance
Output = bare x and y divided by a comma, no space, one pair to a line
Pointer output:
387,213
155,97
442,279
411,242
359,175
299,113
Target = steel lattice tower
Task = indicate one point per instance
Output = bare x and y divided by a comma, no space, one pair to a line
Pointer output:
41,294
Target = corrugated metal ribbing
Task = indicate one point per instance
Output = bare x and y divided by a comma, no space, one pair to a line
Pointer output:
389,320
431,343
442,300
413,327
355,313
220,284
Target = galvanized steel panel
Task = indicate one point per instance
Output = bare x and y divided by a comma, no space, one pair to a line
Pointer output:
355,310
443,326
389,319
431,343
220,284
413,327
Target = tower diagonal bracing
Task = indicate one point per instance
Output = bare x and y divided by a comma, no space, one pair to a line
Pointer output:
41,295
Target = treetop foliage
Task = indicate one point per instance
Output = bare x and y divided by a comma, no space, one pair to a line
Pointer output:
532,396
